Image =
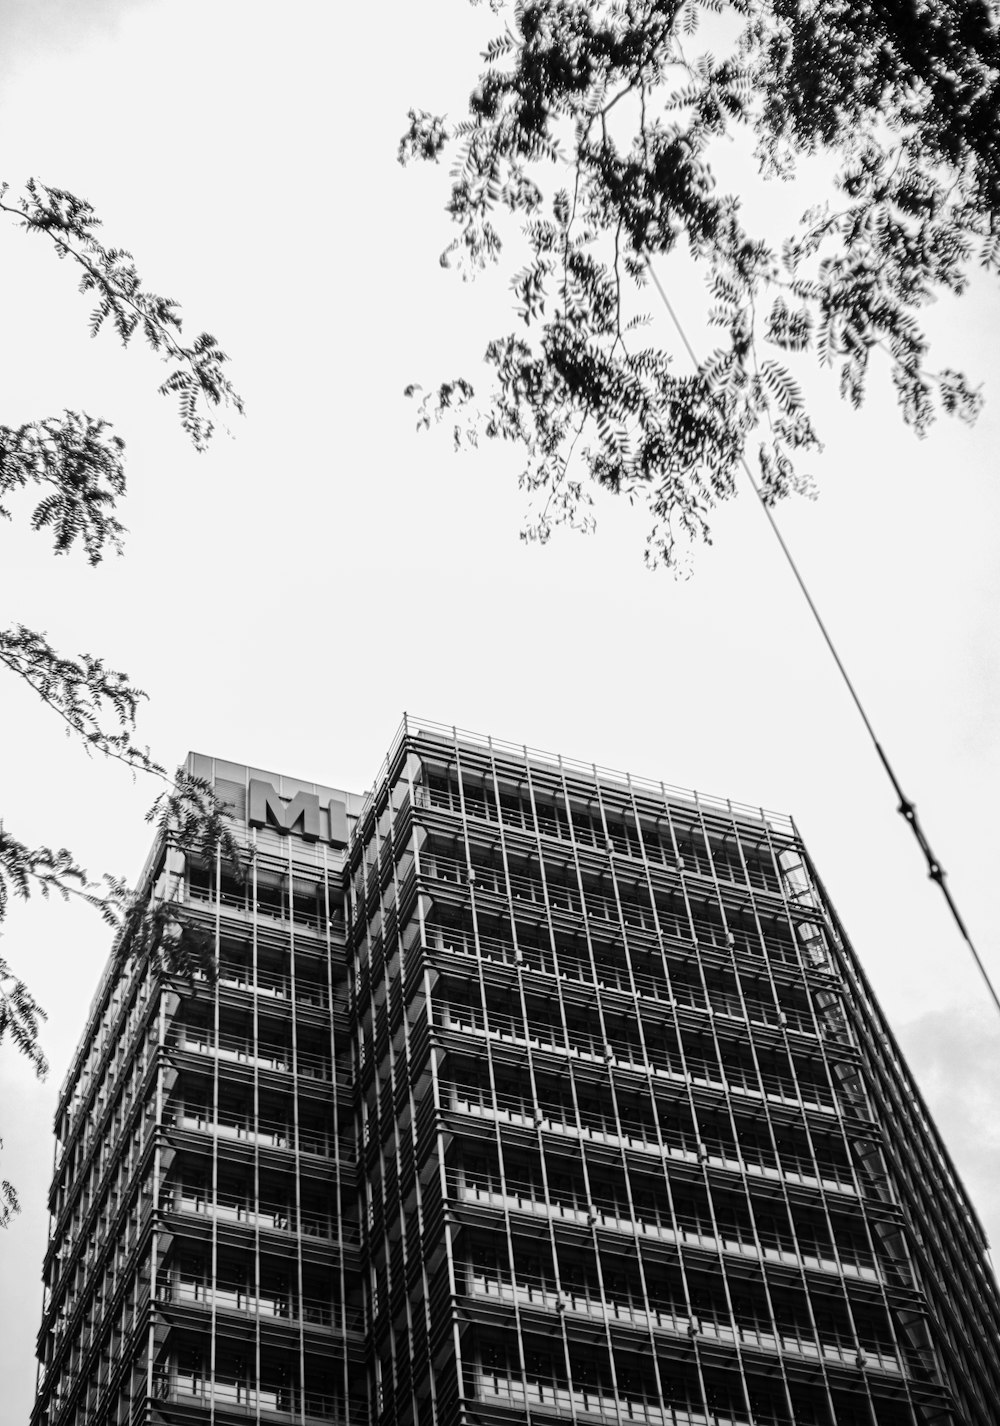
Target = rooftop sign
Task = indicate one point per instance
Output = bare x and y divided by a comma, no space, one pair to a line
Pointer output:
265,808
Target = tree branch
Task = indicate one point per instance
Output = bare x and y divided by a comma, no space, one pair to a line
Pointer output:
111,273
78,692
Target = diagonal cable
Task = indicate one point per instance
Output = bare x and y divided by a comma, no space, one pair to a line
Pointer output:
906,808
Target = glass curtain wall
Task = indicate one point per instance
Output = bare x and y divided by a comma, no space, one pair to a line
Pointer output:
560,1095
637,1144
203,1263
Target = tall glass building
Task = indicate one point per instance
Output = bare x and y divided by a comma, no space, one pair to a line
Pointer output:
526,1091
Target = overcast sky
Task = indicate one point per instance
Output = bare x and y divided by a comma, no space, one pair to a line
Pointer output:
286,596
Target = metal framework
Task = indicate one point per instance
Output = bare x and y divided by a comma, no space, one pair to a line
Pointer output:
561,1096
203,1261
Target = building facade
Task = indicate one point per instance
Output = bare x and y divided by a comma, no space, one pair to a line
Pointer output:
525,1091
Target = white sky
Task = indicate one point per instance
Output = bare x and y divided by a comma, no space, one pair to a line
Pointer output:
286,596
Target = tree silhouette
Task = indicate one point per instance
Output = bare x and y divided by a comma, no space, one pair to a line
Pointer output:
74,462
596,127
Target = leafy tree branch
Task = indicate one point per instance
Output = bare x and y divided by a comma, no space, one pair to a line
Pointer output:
9,1201
76,464
79,465
20,1015
25,869
595,128
187,815
190,814
79,691
197,377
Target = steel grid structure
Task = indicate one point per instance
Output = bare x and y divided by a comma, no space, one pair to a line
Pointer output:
560,1096
203,1261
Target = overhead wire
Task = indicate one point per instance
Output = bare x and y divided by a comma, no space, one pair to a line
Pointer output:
906,808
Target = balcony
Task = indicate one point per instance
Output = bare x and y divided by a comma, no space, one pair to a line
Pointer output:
649,985
521,817
554,1399
275,985
266,1403
664,923
761,1246
267,1216
264,1133
286,1307
585,1300
642,1137
277,1059
625,1055
238,902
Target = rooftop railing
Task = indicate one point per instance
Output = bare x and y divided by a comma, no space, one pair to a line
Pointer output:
446,736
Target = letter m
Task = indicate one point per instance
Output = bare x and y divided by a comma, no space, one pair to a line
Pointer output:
266,806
